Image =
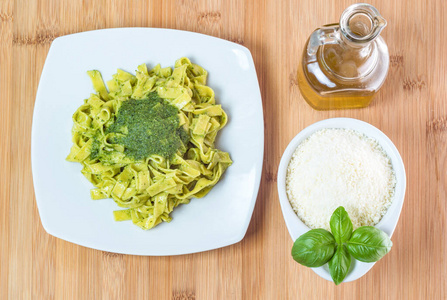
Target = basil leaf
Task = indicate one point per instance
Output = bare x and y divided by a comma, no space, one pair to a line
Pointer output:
314,248
341,225
369,244
339,264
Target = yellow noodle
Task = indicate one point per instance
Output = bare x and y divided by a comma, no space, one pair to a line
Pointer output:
151,189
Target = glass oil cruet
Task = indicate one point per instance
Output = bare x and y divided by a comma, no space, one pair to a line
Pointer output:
344,65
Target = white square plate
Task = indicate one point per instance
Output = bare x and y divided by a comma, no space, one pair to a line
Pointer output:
62,193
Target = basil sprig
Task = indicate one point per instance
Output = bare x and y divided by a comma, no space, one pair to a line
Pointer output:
314,248
341,225
369,244
339,264
318,246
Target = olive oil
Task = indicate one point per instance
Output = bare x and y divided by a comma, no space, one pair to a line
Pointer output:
344,65
326,100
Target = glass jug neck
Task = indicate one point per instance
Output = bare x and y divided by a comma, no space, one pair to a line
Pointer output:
360,24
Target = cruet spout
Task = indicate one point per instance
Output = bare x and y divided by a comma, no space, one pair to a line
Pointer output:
381,22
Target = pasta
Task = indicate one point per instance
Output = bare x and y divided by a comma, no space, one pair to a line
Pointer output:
147,140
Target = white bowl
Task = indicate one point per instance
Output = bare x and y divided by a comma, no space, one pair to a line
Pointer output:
389,221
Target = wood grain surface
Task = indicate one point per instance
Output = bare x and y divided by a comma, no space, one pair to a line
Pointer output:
411,109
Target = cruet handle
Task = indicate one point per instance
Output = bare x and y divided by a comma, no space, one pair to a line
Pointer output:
328,34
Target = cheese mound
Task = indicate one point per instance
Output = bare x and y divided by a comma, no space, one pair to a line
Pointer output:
340,167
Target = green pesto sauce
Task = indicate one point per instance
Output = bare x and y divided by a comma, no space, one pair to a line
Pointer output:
147,127
94,152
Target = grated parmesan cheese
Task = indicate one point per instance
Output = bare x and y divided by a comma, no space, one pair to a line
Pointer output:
340,167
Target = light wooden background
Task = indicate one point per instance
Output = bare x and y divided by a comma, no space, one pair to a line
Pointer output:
411,109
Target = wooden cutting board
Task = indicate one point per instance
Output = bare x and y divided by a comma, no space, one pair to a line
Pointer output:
411,109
